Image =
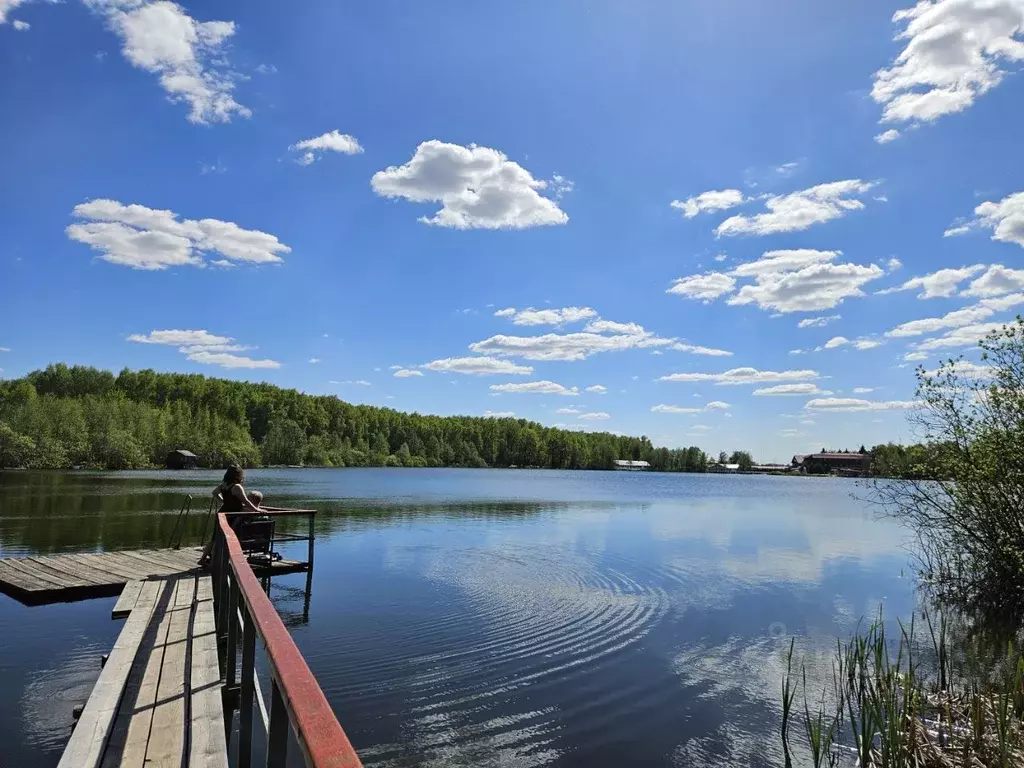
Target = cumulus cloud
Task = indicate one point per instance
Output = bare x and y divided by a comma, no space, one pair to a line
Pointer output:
791,389
965,369
478,366
568,411
499,414
818,322
955,319
744,376
915,356
536,388
862,390
531,316
796,280
940,284
315,360
353,382
705,202
800,210
710,285
6,6
996,280
886,136
201,346
955,51
697,350
836,341
188,56
478,188
714,405
332,141
405,373
837,404
147,238
967,336
594,416
572,346
597,389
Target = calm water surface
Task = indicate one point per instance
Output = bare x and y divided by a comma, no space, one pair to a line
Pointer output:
494,617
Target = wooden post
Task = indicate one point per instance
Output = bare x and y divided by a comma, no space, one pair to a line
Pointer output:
277,730
245,703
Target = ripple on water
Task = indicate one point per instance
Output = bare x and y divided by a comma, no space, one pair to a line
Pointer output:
49,699
528,617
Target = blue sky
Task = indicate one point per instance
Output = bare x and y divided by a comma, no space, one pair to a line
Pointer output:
379,184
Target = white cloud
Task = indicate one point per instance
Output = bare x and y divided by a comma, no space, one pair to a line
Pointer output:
954,319
314,360
21,26
597,389
707,286
837,404
836,341
966,369
862,390
814,288
561,186
966,336
531,316
744,376
595,416
886,136
955,51
187,55
499,414
714,405
940,284
536,387
5,349
478,366
893,263
797,211
571,346
791,389
178,338
1005,218
696,350
356,382
865,343
405,373
915,356
567,411
818,322
798,351
720,257
780,262
332,141
6,6
227,360
700,427
478,188
153,239
960,229
201,346
997,280
705,202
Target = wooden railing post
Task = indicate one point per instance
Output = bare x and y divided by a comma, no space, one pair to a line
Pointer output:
277,730
232,647
245,702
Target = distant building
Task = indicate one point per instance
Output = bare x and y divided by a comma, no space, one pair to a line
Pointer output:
730,468
833,463
181,459
632,466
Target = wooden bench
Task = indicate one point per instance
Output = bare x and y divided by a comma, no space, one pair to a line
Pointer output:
157,702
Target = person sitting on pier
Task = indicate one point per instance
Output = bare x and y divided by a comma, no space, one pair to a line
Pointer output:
234,500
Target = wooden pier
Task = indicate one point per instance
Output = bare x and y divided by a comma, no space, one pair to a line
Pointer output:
184,663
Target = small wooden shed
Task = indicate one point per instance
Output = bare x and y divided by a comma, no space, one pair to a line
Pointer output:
181,459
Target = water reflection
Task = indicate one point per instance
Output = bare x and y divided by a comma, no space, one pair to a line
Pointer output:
526,618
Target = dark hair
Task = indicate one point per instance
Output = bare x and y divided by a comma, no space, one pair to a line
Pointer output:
234,474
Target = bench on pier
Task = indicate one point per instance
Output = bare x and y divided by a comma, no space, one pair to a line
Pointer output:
157,701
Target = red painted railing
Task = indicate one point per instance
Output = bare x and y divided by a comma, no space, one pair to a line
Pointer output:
244,612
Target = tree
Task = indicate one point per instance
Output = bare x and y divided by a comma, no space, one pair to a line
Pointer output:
723,457
969,522
15,450
743,458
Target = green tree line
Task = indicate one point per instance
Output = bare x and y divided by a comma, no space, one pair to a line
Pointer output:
68,416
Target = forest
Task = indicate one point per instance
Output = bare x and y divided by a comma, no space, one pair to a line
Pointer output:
77,416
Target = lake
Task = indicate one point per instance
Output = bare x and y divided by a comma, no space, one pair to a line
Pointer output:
495,617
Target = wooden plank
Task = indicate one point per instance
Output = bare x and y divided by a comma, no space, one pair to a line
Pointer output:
144,568
73,572
35,574
20,580
89,739
167,733
126,602
136,740
207,743
151,564
170,558
117,572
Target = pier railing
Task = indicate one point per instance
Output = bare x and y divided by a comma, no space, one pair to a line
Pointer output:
297,704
